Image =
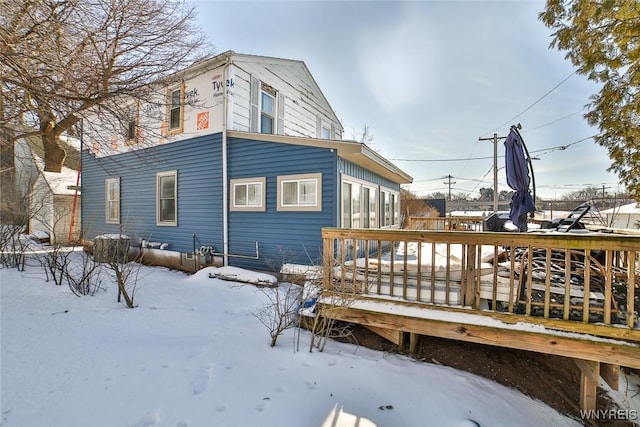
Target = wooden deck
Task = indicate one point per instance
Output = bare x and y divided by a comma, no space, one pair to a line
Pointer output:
569,294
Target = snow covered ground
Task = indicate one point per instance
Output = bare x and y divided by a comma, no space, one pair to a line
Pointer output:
192,353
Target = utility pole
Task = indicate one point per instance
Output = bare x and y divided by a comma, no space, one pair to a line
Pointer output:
495,140
449,183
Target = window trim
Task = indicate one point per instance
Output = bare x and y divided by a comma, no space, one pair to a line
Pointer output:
107,199
159,175
282,179
262,207
170,90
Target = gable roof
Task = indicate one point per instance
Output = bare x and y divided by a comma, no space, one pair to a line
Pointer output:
231,57
356,152
268,60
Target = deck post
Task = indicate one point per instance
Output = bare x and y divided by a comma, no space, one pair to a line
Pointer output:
414,340
327,262
589,378
610,374
469,281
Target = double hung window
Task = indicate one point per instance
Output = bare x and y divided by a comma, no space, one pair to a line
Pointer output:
167,198
175,110
112,201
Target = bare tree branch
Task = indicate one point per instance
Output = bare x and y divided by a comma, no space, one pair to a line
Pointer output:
61,58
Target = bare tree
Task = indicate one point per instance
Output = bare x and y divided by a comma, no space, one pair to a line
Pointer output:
16,211
78,269
365,136
414,206
114,253
60,59
280,312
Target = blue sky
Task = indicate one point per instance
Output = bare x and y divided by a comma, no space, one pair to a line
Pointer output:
429,78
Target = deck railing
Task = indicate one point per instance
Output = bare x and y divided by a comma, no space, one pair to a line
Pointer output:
580,282
448,223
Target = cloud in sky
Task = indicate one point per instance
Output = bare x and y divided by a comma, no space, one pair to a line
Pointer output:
398,68
429,78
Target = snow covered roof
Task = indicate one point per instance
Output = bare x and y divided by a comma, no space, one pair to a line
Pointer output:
631,208
61,183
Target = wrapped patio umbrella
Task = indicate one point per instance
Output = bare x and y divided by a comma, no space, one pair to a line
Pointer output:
517,167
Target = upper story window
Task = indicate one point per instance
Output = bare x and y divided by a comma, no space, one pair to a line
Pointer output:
167,198
325,132
112,201
133,117
267,109
175,109
300,192
248,194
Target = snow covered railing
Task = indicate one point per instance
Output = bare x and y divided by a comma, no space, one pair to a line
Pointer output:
448,223
579,282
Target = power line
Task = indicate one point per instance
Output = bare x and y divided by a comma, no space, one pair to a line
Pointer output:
535,102
441,160
557,120
541,150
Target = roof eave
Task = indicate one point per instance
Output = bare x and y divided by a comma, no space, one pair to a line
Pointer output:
355,152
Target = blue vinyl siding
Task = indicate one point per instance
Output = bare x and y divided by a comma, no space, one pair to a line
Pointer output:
350,169
293,237
282,236
199,196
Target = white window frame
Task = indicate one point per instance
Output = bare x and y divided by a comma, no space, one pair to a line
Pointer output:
372,208
316,206
365,210
109,202
394,201
272,115
235,184
159,220
325,131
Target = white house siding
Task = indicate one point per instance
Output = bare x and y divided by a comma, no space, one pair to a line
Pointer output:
51,206
304,103
300,105
41,209
26,169
240,104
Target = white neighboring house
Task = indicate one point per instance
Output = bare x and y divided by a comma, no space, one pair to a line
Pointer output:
51,196
625,216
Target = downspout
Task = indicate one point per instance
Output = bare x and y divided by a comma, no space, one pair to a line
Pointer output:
75,194
225,198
